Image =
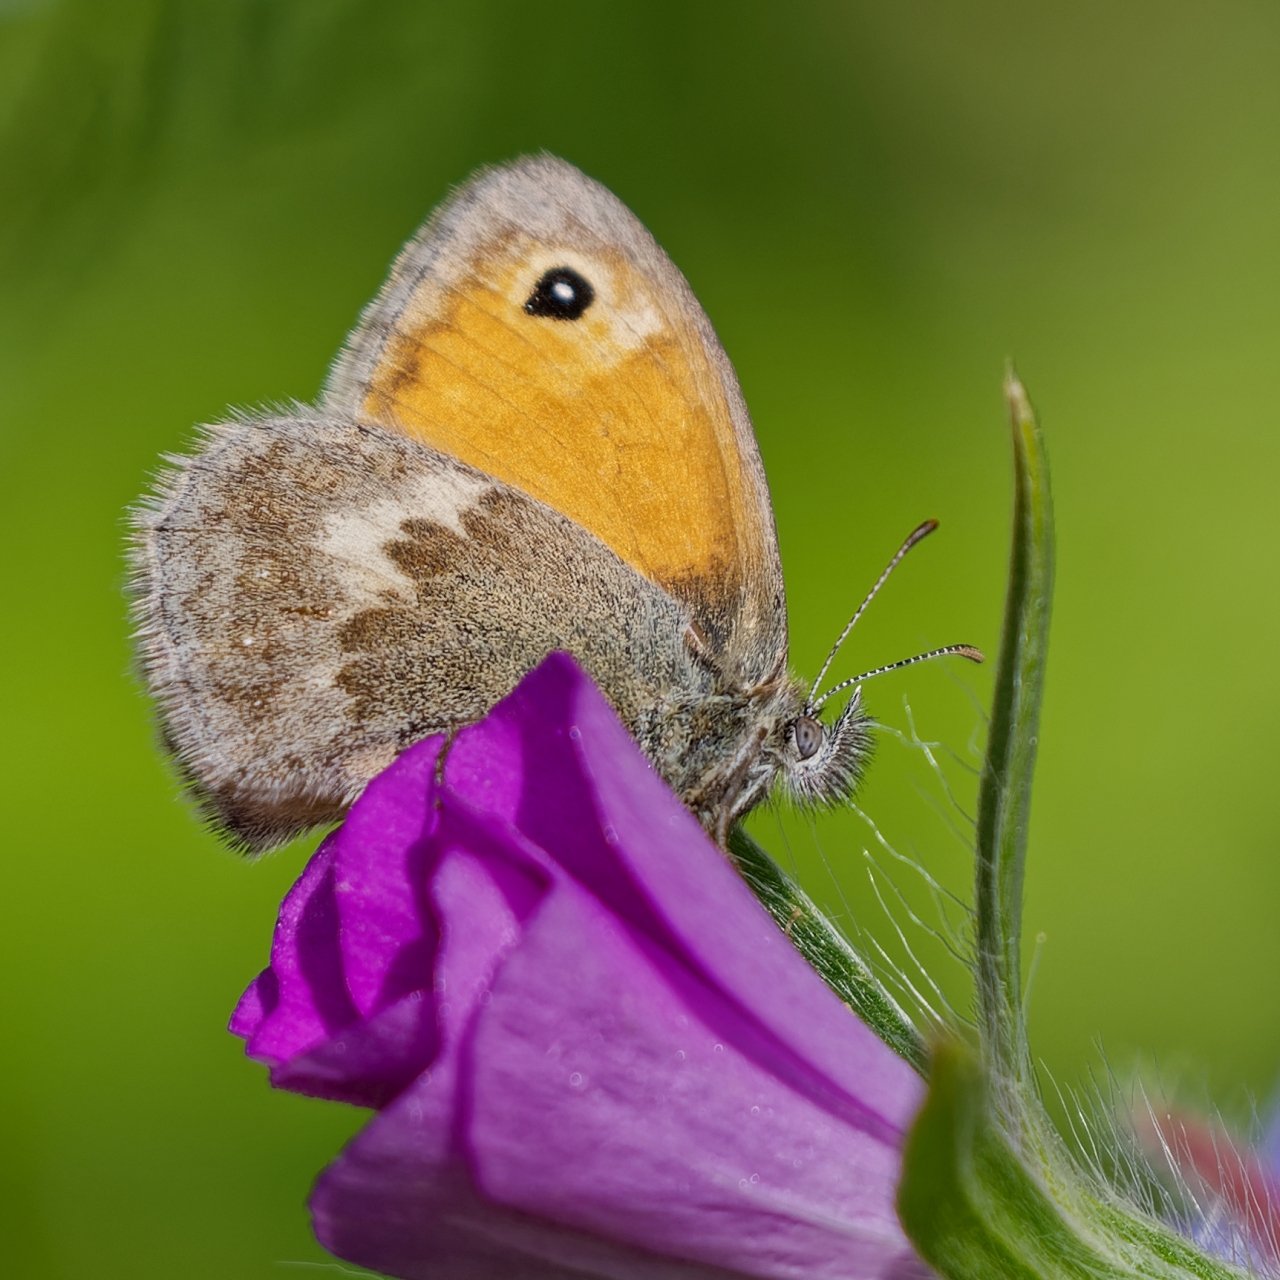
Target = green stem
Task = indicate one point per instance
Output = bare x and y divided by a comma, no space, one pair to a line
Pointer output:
1004,797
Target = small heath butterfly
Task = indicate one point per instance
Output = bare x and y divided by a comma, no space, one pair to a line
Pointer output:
532,441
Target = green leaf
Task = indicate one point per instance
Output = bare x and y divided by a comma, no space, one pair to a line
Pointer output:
1004,794
988,1189
968,1204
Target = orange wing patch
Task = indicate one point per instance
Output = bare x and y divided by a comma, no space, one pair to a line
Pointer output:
616,419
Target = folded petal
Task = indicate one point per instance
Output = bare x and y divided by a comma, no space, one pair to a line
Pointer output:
302,999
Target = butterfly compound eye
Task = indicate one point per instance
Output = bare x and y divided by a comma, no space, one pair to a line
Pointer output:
808,736
561,294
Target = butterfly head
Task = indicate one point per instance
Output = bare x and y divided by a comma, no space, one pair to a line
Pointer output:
766,742
787,745
823,763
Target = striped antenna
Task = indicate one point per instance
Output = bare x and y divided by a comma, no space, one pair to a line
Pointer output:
963,650
918,534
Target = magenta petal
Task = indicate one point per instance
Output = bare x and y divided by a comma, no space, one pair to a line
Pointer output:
614,1091
383,1206
594,1053
304,1000
722,930
402,1198
367,1064
383,859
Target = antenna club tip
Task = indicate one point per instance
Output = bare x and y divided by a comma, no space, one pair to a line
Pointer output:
974,655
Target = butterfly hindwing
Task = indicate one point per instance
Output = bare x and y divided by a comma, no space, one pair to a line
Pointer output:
315,595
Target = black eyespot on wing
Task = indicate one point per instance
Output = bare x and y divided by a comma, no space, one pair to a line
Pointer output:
561,294
808,733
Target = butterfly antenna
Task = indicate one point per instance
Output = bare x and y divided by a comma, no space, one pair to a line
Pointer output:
963,650
918,534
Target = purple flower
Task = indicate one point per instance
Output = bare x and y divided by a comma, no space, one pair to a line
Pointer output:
591,1050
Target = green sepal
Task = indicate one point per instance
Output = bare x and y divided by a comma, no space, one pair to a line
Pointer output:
979,1204
971,1209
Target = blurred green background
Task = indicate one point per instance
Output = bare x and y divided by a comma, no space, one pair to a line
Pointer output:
877,203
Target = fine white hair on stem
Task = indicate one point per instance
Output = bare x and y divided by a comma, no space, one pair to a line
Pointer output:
904,970
902,938
948,939
928,748
886,969
913,864
1179,1164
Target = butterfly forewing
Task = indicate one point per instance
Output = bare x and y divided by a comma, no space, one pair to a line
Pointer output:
624,413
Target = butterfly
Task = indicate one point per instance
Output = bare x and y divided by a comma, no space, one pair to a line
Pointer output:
532,441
